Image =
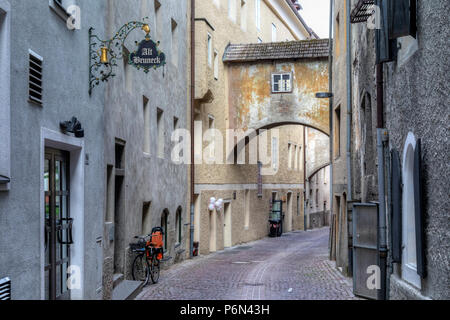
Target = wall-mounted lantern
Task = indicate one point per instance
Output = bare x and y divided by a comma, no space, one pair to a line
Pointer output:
104,54
4,180
72,126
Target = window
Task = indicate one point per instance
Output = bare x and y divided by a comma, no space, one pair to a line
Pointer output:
160,128
258,14
244,15
120,154
164,225
61,7
247,209
296,158
232,10
317,198
300,156
409,241
211,126
146,219
146,113
175,42
289,156
179,223
35,78
216,65
275,153
336,36
5,94
337,132
274,33
209,50
281,82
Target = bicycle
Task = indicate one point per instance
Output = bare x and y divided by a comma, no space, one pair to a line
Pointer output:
147,264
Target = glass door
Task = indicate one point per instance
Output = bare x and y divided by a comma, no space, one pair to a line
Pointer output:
58,224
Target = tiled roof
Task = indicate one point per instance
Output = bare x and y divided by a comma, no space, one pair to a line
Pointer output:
277,50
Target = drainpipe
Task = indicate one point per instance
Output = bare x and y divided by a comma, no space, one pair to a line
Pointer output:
330,89
381,138
192,127
304,179
349,103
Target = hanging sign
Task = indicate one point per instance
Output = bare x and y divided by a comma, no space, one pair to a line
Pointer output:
147,56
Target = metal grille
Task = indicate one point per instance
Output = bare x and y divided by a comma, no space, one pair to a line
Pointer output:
35,78
5,289
363,10
365,248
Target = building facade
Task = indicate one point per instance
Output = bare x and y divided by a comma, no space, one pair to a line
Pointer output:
220,105
399,136
145,187
50,209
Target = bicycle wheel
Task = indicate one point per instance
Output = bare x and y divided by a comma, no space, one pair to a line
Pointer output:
155,269
140,269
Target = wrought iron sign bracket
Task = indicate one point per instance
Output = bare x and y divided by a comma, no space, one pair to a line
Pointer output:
104,54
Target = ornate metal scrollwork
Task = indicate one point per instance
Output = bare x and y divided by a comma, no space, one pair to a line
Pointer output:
101,67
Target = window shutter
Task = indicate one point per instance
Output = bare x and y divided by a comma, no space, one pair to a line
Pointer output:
419,214
402,18
35,78
396,221
383,44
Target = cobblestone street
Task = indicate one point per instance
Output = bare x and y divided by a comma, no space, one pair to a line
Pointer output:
293,267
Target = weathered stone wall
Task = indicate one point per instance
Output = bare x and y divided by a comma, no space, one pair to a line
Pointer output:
339,216
254,106
417,101
149,177
213,101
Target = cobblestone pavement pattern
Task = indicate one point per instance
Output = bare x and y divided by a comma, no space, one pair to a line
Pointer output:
293,267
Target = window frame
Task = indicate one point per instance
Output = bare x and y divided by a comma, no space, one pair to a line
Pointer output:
209,49
281,74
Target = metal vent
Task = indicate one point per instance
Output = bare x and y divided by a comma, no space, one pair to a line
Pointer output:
363,10
35,78
5,289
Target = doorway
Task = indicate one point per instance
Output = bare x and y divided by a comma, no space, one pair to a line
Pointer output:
58,224
289,212
212,231
227,226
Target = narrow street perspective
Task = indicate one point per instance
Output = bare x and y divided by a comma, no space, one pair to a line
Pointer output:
224,150
292,267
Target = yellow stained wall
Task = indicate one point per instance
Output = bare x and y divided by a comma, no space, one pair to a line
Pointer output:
212,100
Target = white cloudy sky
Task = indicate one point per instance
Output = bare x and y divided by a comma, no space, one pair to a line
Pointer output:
317,15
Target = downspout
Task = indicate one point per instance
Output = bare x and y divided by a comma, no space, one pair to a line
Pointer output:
330,89
304,179
349,103
192,128
381,138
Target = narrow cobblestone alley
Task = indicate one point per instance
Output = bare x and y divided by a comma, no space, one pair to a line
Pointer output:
293,267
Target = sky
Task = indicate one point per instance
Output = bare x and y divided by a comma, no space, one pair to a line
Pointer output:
316,13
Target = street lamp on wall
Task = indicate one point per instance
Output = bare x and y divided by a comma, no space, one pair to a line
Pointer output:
324,95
